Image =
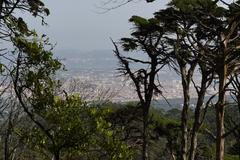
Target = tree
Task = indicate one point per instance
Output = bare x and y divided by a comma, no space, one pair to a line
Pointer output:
7,16
232,124
206,34
186,57
148,40
222,49
9,119
57,117
13,25
32,78
15,31
78,130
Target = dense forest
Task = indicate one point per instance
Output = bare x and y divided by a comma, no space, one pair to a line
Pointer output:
40,120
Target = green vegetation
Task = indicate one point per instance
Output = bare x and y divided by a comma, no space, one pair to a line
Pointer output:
40,120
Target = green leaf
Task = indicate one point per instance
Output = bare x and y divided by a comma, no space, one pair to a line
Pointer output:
138,21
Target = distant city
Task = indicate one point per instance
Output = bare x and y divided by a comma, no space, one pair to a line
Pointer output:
98,71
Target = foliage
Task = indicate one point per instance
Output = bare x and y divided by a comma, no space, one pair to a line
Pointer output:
202,33
78,130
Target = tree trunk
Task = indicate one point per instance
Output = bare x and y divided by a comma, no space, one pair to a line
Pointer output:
186,76
145,142
220,132
193,147
148,99
220,114
197,119
7,136
1,7
6,151
173,156
145,132
184,126
56,155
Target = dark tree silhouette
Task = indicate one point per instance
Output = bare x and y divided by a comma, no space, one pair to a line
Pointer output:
147,39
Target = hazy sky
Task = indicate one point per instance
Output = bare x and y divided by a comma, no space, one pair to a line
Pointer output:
75,24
